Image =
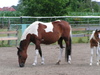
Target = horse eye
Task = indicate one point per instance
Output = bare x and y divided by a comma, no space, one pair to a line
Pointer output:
19,56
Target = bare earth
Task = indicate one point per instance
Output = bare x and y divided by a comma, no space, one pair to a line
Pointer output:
80,62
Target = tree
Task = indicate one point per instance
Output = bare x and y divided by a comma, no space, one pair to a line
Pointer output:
55,7
44,7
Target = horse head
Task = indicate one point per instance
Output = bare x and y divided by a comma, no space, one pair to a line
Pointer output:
21,57
97,35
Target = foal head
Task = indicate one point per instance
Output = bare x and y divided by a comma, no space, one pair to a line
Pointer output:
21,57
97,35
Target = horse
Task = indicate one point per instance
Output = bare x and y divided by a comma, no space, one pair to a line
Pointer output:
45,33
94,43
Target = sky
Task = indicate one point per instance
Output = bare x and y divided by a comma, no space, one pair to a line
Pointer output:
96,0
8,3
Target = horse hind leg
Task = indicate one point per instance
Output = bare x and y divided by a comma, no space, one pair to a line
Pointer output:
68,50
61,51
42,58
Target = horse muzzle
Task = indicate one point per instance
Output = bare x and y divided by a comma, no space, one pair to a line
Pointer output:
21,65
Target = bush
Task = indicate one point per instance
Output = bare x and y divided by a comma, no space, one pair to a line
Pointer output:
10,13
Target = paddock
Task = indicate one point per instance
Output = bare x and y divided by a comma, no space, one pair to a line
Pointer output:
80,61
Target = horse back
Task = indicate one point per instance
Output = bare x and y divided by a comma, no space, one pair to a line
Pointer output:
60,29
64,27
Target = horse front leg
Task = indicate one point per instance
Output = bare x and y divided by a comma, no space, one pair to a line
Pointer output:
97,54
36,55
37,52
91,58
42,58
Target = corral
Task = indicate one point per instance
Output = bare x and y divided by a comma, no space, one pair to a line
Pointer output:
80,52
80,61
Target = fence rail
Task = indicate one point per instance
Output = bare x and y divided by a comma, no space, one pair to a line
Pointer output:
88,23
55,17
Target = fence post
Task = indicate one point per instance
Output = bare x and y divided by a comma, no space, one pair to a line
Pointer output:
2,22
88,31
8,30
21,20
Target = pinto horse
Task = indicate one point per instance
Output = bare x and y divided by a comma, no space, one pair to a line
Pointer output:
95,42
46,33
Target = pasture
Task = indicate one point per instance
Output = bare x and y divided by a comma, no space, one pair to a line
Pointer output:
80,61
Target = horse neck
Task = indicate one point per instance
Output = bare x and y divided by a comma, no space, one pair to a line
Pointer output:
24,44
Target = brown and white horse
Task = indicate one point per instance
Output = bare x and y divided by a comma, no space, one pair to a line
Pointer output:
46,33
94,43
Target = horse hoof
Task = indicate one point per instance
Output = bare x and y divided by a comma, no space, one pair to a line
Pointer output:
97,64
57,63
90,64
69,62
34,64
42,63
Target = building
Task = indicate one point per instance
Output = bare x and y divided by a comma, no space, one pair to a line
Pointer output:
7,9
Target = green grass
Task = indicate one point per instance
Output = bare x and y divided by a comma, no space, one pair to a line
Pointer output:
80,39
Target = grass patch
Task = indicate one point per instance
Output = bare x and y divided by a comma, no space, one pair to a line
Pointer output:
80,39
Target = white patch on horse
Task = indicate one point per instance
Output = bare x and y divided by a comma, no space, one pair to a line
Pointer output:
58,20
99,35
33,29
49,27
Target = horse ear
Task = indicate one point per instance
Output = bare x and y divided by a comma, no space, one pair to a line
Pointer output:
96,30
99,30
18,48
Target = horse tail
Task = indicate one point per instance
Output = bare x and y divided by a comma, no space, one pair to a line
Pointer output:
68,49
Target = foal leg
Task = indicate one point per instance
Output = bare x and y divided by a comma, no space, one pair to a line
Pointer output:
97,54
91,59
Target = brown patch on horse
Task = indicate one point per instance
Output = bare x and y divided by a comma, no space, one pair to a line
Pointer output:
49,37
93,43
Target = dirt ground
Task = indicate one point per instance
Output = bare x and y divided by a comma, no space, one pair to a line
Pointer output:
80,62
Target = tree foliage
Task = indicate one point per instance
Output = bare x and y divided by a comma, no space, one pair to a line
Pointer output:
44,7
55,7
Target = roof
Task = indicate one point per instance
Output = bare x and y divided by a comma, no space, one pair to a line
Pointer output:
7,9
